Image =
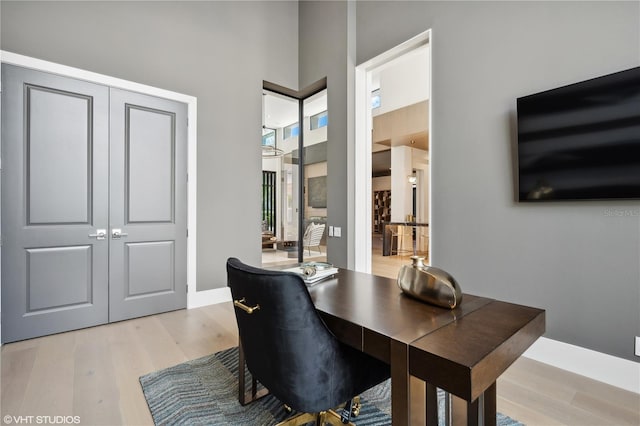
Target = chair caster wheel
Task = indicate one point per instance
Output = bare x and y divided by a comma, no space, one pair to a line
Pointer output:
355,409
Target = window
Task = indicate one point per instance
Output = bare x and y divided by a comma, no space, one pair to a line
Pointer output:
268,137
291,131
375,99
319,120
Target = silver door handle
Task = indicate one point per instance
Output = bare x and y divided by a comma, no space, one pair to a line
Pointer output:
100,234
116,234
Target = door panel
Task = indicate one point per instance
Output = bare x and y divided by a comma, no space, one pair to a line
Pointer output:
50,286
148,203
150,150
149,268
58,124
54,196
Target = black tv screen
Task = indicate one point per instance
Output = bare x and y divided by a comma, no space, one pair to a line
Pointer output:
582,141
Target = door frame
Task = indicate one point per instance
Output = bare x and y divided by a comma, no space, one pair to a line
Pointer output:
194,299
362,147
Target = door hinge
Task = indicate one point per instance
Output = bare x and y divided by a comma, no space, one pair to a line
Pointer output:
187,177
186,289
187,233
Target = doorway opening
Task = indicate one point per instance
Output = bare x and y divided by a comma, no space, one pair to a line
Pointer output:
392,157
294,169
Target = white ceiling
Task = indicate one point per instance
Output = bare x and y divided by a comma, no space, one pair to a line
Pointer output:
407,80
280,111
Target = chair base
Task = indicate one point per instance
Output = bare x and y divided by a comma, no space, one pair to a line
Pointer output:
322,418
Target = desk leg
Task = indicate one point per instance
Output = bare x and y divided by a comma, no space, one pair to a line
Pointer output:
464,412
472,413
400,401
432,405
447,409
489,414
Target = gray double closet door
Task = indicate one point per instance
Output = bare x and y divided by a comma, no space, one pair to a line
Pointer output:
94,204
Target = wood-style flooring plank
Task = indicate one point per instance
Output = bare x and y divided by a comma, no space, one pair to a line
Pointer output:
17,368
606,409
159,345
528,373
554,408
131,361
50,389
198,334
523,413
97,397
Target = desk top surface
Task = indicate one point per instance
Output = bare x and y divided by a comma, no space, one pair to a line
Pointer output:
463,350
377,304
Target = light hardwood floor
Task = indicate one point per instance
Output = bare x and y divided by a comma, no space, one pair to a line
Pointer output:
93,373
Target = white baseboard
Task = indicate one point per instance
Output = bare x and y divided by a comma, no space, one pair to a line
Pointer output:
609,369
208,297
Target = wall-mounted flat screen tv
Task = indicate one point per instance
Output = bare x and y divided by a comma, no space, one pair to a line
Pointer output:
582,141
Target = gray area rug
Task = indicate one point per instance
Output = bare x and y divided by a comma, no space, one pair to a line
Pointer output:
205,392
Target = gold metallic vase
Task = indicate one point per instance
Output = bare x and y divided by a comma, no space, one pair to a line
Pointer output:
429,284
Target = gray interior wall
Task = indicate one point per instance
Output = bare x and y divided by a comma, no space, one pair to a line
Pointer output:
323,53
578,260
219,52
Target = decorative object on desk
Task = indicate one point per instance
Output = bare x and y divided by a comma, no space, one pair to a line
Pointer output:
429,284
308,271
314,272
320,266
205,391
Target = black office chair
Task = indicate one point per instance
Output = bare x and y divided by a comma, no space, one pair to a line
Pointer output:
289,349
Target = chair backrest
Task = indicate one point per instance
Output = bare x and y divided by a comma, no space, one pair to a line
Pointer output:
287,346
313,234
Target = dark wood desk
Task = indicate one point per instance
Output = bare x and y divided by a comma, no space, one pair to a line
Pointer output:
463,350
466,357
372,314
